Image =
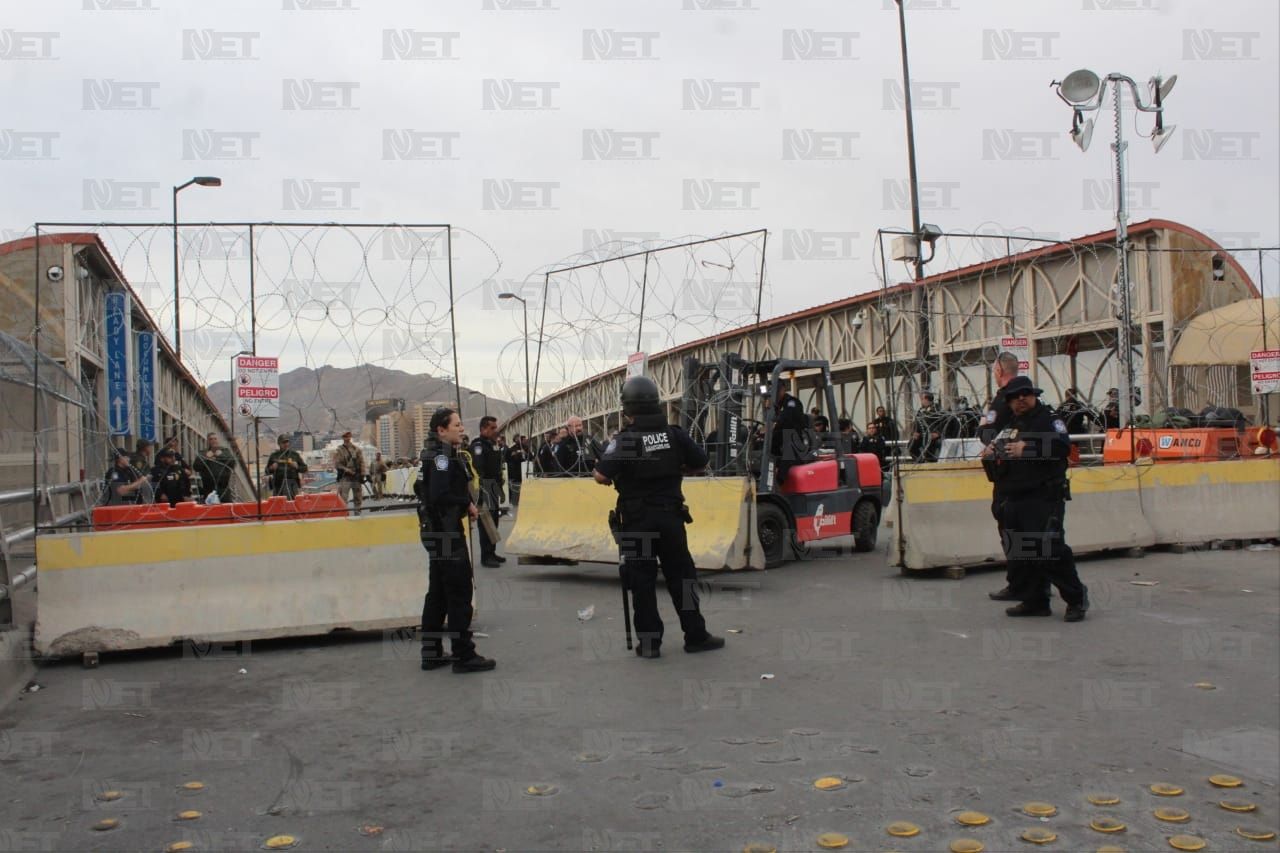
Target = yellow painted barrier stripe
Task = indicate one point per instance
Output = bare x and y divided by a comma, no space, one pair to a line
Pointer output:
966,481
176,544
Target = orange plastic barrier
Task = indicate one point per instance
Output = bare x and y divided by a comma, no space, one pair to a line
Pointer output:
144,516
1169,445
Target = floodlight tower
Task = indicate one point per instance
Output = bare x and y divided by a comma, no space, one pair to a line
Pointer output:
1084,92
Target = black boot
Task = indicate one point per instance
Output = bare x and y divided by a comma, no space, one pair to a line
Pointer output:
1075,612
1006,594
710,644
1025,609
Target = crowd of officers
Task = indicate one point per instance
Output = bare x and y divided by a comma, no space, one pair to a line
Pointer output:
148,475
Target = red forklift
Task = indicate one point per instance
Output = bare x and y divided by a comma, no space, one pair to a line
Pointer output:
832,492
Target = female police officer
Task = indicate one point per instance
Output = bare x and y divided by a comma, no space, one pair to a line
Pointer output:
445,503
646,463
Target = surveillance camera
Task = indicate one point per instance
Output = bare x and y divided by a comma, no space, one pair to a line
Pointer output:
1219,268
54,273
859,319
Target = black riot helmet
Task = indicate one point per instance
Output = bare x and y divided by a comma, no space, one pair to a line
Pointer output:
640,396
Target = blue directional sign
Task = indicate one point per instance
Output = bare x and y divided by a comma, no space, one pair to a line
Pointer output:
118,361
147,386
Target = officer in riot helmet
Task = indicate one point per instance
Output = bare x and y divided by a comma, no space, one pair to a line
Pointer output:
646,463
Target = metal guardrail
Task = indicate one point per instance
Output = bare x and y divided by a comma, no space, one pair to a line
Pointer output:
42,497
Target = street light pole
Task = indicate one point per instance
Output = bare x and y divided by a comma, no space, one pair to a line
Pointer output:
204,181
528,399
1083,91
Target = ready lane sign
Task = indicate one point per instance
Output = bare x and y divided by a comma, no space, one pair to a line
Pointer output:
257,387
119,375
147,419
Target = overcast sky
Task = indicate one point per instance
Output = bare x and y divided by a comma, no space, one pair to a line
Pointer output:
537,126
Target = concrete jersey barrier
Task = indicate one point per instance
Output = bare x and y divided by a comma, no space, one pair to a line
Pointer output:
946,514
105,591
567,517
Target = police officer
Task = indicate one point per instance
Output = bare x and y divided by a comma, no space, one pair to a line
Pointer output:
444,505
1032,471
790,433
173,484
646,463
926,430
488,462
576,453
125,484
994,420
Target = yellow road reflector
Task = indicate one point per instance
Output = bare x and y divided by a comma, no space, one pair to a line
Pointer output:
1164,789
829,783
972,819
1172,815
109,796
1222,780
759,847
833,840
1238,805
541,790
902,829
1110,848
1186,842
966,845
1106,824
1204,685
179,847
280,842
106,823
1103,799
193,786
370,829
1254,834
1040,809
189,814
1039,836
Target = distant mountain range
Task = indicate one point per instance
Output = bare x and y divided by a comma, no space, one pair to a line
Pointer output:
332,399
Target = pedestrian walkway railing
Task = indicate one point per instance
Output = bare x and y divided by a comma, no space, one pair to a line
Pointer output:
23,512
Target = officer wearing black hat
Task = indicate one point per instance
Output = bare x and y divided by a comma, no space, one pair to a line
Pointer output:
173,484
1030,457
125,484
646,463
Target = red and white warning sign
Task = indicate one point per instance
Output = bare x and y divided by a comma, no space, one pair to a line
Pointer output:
1020,347
257,387
1264,369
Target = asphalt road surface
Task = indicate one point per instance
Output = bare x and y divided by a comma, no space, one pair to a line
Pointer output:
917,694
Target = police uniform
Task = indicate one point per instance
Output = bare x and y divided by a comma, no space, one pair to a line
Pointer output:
488,464
173,484
1033,490
790,433
444,498
118,477
994,420
575,455
645,462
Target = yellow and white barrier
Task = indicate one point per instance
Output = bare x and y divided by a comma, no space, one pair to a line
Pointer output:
568,518
947,508
132,589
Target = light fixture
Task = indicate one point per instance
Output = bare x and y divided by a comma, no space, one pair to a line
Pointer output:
1080,87
1081,130
207,181
1161,135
